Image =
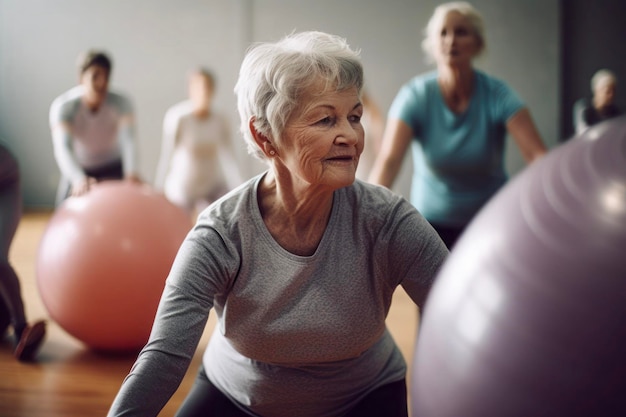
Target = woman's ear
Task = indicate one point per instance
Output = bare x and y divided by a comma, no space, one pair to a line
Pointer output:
263,142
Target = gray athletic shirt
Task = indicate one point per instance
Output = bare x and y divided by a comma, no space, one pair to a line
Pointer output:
296,335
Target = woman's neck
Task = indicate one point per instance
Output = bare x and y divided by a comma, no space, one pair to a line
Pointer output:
296,222
456,85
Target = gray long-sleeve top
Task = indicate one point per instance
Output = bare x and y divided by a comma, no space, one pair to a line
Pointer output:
296,335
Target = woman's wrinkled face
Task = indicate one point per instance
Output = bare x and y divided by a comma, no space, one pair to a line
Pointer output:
96,81
457,43
323,138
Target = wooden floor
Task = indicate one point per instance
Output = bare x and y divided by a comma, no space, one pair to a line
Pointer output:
69,380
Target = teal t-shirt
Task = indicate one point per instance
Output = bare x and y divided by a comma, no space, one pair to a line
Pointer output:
458,158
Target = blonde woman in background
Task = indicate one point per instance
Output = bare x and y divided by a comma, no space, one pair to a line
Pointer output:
455,119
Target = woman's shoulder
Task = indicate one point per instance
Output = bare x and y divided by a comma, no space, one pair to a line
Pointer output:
234,204
491,81
69,97
415,93
422,81
119,99
179,110
374,198
66,104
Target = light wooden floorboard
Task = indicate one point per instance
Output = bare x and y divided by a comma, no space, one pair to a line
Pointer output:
70,380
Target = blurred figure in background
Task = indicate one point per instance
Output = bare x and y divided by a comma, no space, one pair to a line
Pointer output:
602,104
93,130
374,123
197,164
455,119
28,338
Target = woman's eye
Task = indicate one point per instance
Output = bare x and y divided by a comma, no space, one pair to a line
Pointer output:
325,121
355,119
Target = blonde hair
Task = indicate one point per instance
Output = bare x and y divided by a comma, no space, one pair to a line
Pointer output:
432,32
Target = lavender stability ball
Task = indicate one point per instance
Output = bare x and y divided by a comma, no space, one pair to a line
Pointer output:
528,315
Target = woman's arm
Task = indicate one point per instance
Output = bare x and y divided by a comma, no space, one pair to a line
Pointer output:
526,135
168,145
396,140
128,147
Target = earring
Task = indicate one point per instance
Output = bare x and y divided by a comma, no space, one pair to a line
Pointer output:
272,152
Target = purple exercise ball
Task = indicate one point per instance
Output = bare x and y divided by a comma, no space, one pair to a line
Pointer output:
528,314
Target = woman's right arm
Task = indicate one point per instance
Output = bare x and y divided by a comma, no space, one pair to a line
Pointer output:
396,140
180,320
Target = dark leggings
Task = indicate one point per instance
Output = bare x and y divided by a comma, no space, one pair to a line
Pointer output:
111,171
206,400
10,215
448,234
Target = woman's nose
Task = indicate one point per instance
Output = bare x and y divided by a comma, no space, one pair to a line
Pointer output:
348,133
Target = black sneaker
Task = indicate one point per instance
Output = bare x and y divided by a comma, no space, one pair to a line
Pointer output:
31,340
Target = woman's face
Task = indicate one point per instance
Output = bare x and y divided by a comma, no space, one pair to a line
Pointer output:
200,91
323,138
457,42
604,93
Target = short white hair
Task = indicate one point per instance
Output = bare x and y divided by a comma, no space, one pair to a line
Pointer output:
600,76
432,32
274,75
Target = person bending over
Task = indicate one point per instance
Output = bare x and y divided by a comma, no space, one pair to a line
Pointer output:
92,130
299,264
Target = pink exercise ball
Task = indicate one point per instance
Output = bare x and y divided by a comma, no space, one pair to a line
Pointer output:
103,260
528,314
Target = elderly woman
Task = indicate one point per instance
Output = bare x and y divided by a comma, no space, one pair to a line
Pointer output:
456,119
602,106
299,263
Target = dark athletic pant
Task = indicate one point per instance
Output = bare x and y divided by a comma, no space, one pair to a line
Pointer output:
10,215
205,400
112,171
448,234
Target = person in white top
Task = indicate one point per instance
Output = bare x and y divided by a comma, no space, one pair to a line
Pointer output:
197,163
93,130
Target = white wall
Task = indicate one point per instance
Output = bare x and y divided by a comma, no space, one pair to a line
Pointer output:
154,42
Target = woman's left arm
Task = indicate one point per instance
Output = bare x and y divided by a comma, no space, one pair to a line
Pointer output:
526,135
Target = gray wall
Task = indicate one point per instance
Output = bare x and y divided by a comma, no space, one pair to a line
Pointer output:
154,42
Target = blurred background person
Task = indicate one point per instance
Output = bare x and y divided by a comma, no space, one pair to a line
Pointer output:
197,163
455,119
93,131
373,122
28,337
602,104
